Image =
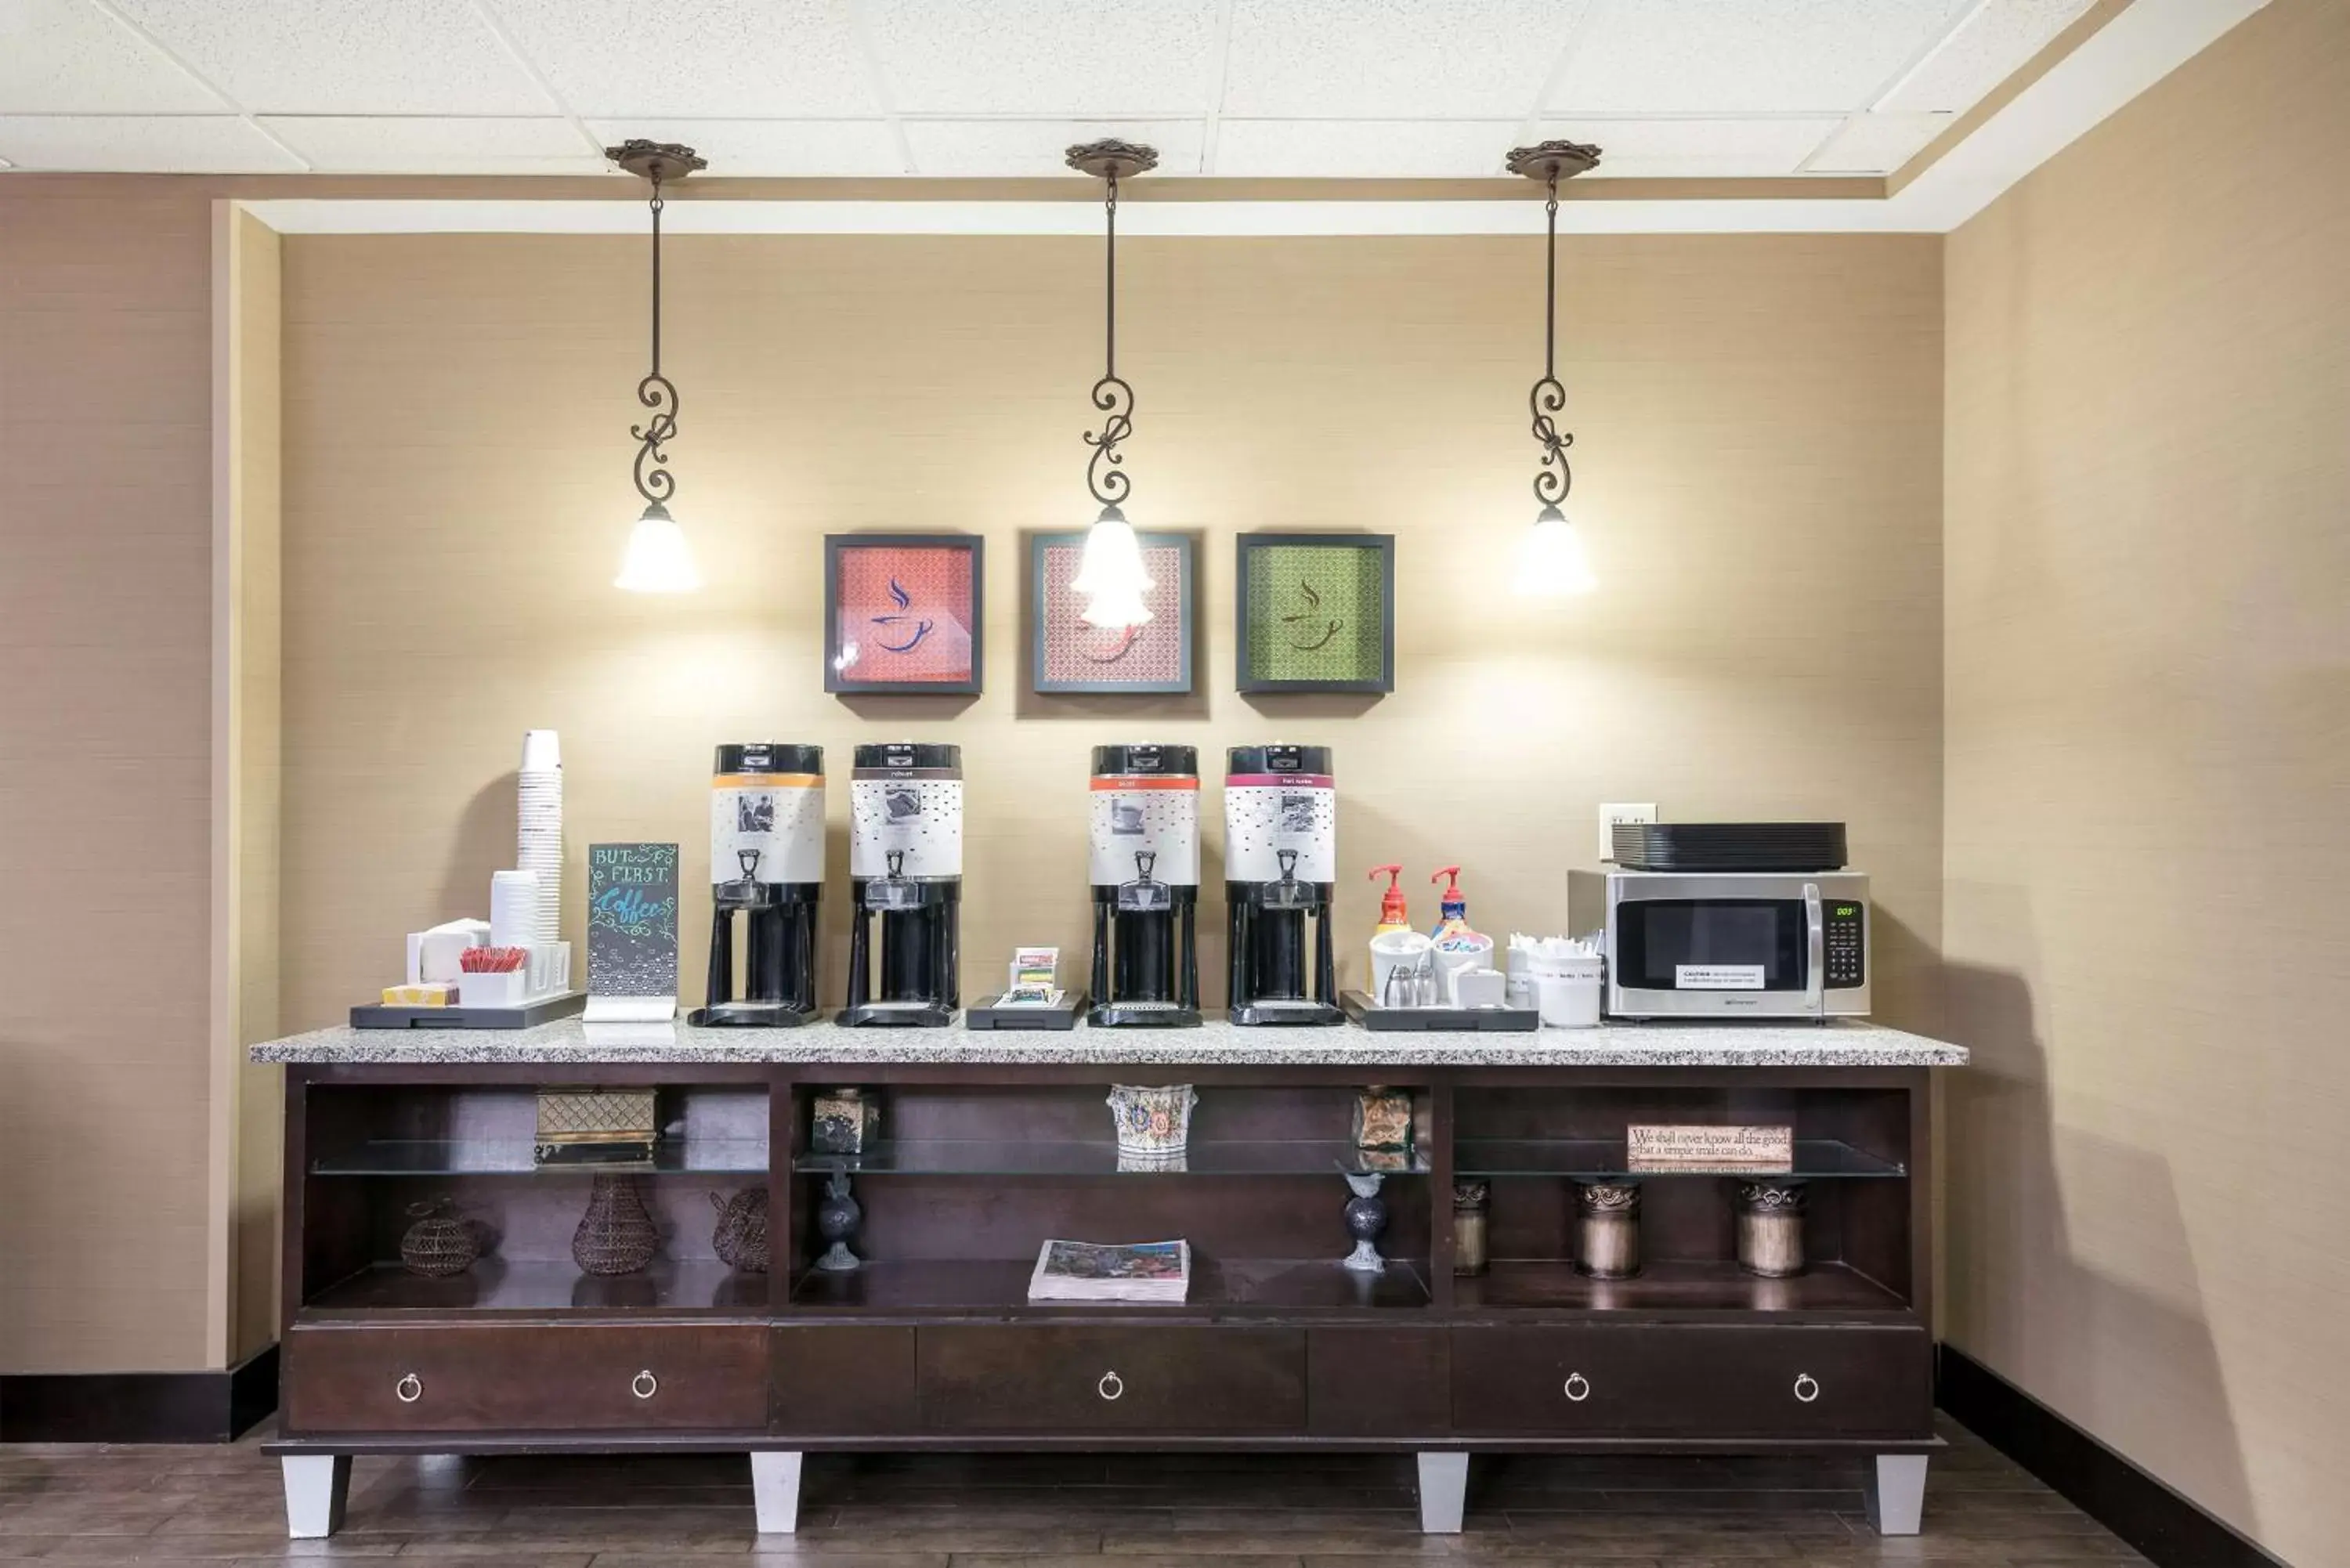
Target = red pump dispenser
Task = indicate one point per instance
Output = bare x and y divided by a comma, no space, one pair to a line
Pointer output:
1392,915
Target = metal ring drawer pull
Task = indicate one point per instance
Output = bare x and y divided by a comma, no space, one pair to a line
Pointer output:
1578,1386
644,1385
1807,1387
1110,1387
409,1389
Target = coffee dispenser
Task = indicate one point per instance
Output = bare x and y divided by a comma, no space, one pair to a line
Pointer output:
766,872
1280,859
1146,881
905,876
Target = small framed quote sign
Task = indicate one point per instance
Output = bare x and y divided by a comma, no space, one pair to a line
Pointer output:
1666,1148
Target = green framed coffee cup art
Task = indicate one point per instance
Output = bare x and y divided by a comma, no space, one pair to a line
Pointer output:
1316,612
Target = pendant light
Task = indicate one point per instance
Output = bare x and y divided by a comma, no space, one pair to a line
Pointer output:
658,559
1551,560
1111,572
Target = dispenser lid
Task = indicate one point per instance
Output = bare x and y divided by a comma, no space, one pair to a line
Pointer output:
1278,758
768,757
935,757
1113,760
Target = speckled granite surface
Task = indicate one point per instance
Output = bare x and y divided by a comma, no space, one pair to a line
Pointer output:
1215,1043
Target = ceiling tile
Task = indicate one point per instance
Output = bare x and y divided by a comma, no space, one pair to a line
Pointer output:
1695,148
1341,58
1985,51
1877,143
1023,146
68,56
1366,148
345,56
1144,60
751,59
774,148
142,144
363,144
1705,56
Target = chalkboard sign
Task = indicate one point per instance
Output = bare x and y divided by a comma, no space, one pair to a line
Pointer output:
631,931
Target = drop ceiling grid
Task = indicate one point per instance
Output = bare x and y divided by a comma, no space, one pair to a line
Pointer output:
1434,88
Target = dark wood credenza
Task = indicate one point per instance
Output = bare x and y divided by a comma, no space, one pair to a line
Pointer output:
932,1344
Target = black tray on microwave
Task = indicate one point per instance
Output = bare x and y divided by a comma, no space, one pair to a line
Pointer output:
1702,846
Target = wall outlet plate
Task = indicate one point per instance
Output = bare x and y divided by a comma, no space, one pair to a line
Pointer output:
1620,811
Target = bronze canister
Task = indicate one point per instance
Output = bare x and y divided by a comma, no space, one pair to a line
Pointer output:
1607,1228
1770,1229
1469,1227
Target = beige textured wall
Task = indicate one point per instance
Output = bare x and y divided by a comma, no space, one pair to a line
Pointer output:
2149,707
1758,462
105,786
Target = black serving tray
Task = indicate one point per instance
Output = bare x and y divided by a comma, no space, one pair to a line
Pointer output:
986,1014
375,1015
1465,1020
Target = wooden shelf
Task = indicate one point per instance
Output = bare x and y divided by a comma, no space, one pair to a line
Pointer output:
1002,1287
495,1285
1550,1284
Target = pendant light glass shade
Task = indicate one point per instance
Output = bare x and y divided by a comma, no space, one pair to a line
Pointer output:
1551,562
658,559
1110,573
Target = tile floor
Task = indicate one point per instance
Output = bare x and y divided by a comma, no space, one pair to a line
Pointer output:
218,1506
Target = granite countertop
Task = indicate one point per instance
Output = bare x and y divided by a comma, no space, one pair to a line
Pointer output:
570,1043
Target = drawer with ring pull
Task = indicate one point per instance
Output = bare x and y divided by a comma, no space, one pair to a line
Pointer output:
1170,1379
460,1377
1651,1380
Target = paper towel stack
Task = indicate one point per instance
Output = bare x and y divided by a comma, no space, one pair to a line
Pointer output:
538,838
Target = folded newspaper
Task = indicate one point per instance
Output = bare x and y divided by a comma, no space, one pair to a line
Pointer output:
1087,1271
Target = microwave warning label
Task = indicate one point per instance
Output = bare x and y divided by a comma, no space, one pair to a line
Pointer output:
1717,977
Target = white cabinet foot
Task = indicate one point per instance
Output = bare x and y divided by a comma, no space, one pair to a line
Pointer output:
317,1486
1443,1483
775,1492
1896,1492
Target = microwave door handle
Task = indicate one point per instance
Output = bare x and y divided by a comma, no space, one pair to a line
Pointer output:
1815,953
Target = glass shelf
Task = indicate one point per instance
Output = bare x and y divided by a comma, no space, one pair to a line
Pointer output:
1671,1285
1001,1287
493,1284
1604,1158
451,1157
976,1156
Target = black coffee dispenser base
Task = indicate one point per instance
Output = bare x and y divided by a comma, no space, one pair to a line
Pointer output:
753,1015
894,1015
1287,1015
1142,1015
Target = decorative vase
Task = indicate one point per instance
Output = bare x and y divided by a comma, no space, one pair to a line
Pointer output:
617,1235
837,1219
843,1121
439,1245
1152,1119
1607,1228
1383,1119
1770,1228
1366,1216
740,1237
1469,1227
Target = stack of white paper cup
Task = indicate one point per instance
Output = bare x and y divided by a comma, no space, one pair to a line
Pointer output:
514,909
538,839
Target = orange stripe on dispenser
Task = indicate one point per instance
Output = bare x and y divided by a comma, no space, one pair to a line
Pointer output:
767,780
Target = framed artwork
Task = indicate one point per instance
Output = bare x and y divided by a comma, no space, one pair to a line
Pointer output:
1074,657
902,612
1316,612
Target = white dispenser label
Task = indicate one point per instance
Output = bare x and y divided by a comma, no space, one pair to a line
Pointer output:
1717,977
921,818
1158,820
781,822
1263,820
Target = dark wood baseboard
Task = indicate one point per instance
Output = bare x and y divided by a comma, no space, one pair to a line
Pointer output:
2166,1527
139,1407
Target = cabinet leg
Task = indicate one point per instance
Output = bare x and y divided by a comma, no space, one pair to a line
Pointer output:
1896,1492
316,1485
1443,1482
775,1492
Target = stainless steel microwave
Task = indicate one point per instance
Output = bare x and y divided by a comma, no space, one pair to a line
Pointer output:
1730,944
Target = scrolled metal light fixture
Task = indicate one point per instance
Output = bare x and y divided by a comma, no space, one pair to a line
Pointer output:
1111,572
658,559
1551,561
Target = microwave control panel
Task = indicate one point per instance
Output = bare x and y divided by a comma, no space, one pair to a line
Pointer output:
1847,963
